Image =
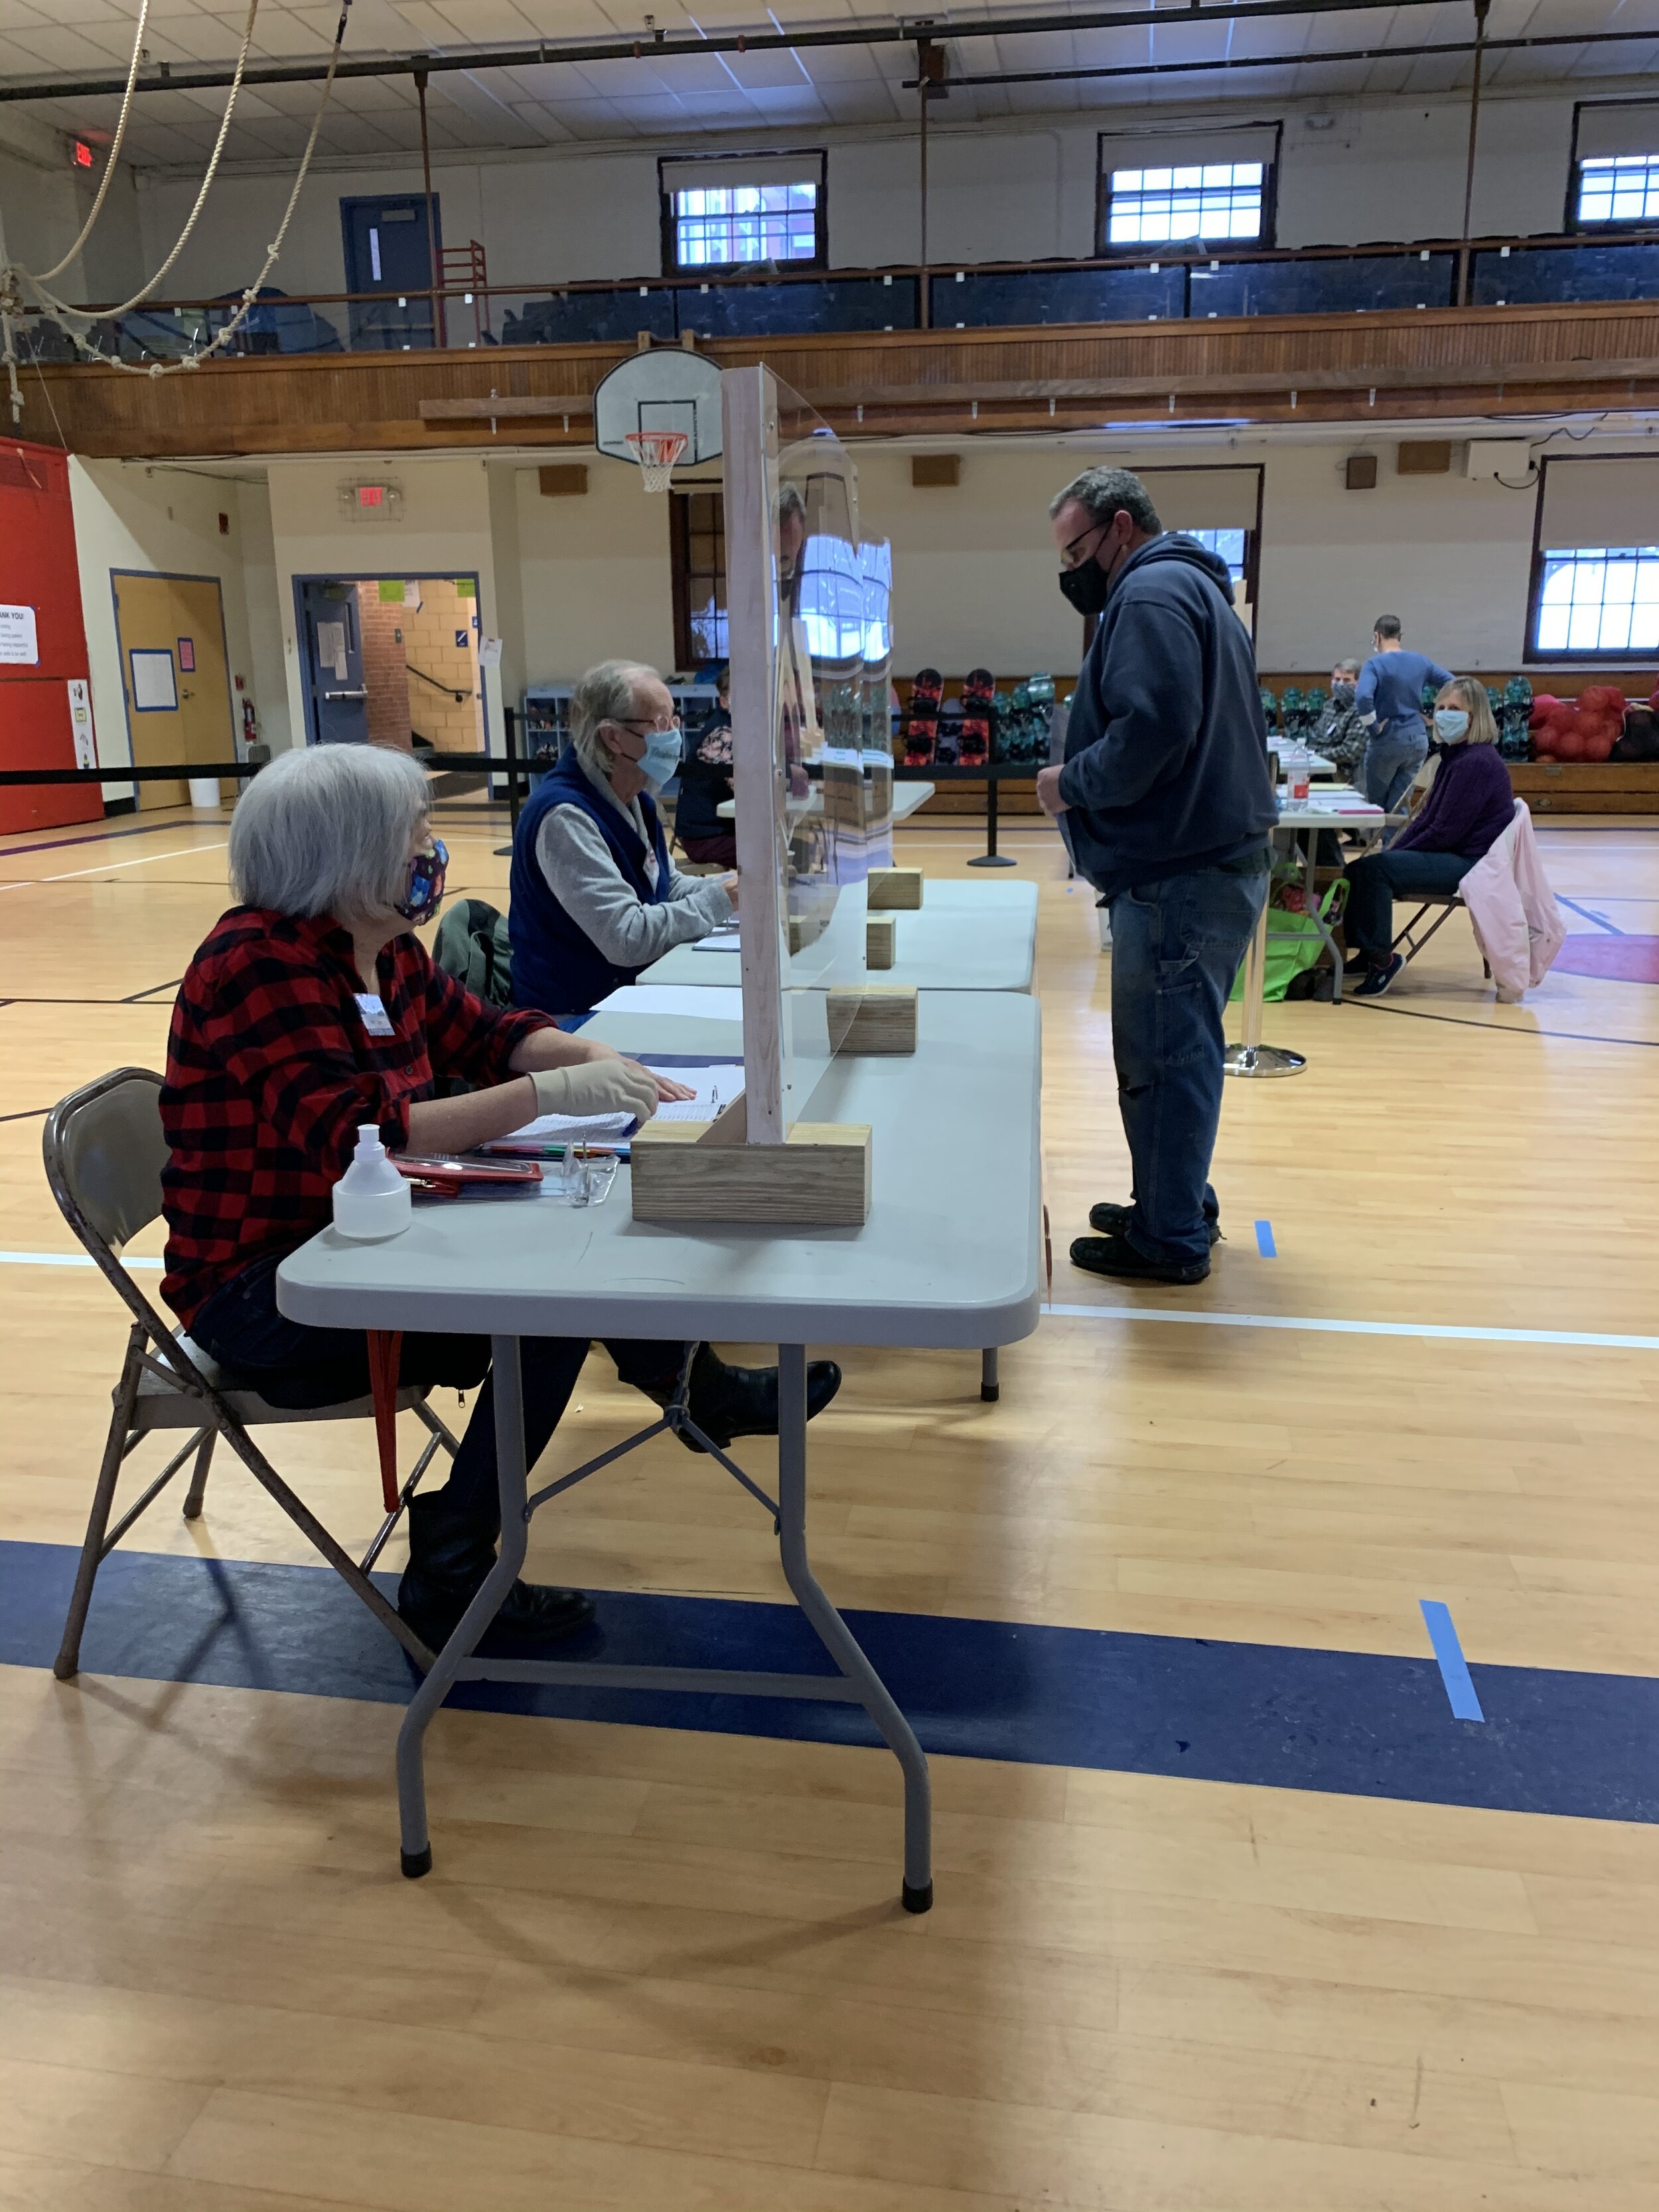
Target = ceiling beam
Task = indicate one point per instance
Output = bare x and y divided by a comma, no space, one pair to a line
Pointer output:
660,47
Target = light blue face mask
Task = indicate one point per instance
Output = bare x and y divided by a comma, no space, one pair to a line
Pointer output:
1451,725
661,761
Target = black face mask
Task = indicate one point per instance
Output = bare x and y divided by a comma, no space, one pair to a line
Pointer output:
1085,587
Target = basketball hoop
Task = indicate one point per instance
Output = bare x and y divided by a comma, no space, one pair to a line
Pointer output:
656,451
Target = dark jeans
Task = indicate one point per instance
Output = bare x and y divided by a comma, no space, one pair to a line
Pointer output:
1377,879
1176,945
291,1364
1392,760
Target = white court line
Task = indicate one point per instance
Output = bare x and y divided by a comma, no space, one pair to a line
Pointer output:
1435,1331
137,861
62,1260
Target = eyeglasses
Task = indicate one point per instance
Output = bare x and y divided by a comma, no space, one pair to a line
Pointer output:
651,729
1067,551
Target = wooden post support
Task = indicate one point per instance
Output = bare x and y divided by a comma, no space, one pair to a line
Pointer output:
819,1176
875,1020
880,948
886,888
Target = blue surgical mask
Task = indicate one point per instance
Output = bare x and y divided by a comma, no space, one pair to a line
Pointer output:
661,761
1451,725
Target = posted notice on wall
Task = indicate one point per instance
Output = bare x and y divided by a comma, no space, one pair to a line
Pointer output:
79,706
18,642
490,652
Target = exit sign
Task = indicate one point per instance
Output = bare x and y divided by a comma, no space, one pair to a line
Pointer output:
371,494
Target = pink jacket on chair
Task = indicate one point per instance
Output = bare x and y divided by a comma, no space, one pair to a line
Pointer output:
1517,924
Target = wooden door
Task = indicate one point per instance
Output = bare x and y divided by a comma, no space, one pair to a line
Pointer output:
174,678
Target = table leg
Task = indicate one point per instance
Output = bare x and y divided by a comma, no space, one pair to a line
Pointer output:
836,1636
512,1477
990,1385
1252,1057
990,857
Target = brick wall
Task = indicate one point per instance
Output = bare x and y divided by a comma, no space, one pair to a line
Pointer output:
384,675
429,633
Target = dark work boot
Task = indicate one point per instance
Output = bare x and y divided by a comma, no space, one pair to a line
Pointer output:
727,1402
1113,1220
449,1555
1117,1257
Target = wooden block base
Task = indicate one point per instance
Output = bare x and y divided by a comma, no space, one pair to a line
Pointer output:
880,1019
819,1176
886,888
880,933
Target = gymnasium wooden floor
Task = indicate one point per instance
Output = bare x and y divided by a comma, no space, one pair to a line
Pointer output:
665,1970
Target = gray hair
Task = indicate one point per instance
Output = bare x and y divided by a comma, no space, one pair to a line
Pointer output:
1102,492
608,693
327,830
1347,667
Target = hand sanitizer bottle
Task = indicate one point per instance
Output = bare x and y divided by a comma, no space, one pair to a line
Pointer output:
371,1199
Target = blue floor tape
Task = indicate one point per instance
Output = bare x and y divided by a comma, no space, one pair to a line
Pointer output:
1264,1240
1448,1656
1293,1719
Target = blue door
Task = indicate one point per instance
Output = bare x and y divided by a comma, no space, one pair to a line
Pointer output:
336,695
388,252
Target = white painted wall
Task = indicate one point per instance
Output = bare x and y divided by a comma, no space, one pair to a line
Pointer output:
1020,189
595,574
129,515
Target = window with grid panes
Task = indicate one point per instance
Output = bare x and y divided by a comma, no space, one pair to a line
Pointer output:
1155,207
731,226
1598,598
1618,188
698,541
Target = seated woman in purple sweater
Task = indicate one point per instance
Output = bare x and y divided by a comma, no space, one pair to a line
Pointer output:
1468,810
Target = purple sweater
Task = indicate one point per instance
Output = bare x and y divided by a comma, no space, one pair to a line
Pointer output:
1470,807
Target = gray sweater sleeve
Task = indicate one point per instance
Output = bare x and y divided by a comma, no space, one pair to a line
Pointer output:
576,864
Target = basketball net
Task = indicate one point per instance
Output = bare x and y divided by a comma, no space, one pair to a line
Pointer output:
656,451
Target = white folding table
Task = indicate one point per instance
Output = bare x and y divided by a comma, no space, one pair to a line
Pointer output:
962,937
949,1258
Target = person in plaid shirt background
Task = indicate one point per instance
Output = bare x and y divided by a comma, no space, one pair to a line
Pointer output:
312,1008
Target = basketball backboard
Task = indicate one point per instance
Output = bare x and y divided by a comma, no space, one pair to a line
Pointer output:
665,389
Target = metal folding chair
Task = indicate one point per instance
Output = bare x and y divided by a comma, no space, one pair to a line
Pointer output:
1413,937
105,1151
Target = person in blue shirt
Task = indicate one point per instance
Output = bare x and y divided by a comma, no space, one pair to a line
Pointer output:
1389,703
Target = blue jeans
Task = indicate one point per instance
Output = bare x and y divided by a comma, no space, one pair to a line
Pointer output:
1176,945
1391,759
1377,879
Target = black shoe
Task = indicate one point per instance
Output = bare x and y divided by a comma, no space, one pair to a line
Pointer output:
1113,1220
727,1402
532,1615
1117,1256
1375,981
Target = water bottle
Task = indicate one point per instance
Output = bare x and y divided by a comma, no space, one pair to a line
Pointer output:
371,1200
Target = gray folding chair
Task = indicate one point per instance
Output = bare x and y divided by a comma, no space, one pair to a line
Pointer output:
1411,939
105,1151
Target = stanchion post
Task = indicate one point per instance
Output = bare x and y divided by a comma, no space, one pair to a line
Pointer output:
990,857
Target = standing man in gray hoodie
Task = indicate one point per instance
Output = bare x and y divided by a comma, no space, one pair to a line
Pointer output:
1169,801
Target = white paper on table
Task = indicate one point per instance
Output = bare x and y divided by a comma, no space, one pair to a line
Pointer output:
715,1086
723,940
716,1003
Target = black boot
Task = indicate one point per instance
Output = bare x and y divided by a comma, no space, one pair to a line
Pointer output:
450,1553
1113,1220
727,1402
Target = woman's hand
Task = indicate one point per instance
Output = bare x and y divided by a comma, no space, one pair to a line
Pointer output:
667,1089
729,885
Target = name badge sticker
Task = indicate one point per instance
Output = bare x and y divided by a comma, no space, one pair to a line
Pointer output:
376,1020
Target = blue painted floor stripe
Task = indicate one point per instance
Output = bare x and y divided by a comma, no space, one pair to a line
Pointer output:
1264,1240
1355,1722
1454,1667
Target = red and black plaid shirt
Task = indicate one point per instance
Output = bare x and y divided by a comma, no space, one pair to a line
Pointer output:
270,1069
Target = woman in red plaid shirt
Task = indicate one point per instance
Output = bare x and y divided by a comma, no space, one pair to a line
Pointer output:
312,1007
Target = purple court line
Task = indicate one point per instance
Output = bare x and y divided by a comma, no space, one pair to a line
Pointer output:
93,838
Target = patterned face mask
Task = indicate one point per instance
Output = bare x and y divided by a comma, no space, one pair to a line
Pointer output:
427,871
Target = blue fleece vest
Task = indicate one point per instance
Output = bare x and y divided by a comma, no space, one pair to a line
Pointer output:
556,966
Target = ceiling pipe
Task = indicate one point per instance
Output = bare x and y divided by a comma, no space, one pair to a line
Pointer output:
660,47
1305,60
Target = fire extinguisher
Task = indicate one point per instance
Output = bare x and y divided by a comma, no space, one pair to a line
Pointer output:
250,727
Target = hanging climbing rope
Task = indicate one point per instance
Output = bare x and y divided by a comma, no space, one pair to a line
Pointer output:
11,276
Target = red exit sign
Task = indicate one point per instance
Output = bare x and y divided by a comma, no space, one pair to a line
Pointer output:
371,494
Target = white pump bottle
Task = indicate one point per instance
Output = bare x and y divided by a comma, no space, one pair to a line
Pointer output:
371,1200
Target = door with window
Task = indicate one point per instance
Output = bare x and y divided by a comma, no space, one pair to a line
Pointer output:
175,675
336,689
390,251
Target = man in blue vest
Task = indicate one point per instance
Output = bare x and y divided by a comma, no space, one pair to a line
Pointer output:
595,897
